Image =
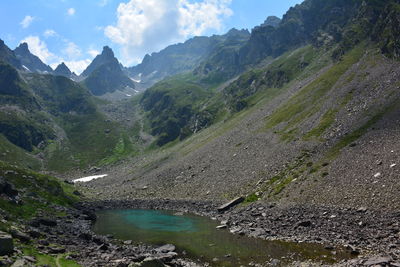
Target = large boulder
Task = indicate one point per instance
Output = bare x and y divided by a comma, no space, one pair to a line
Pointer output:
6,244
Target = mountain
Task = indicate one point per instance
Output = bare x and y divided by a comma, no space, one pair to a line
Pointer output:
271,21
183,57
30,61
315,109
106,57
105,75
8,56
63,70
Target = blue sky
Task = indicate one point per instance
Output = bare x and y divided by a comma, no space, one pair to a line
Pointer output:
74,31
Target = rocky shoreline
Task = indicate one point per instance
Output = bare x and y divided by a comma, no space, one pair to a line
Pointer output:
372,237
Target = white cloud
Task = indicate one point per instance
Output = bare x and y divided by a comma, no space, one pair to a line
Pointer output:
49,33
39,48
71,11
27,21
147,26
71,50
93,52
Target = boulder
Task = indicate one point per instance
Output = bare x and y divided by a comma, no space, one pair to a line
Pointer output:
230,204
377,260
166,248
6,244
20,235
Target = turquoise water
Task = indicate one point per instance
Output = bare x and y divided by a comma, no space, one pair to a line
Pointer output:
198,238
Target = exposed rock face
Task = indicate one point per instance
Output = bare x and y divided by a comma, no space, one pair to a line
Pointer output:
29,61
105,75
63,70
8,56
272,21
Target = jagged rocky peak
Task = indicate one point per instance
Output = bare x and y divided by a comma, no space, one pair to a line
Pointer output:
107,52
272,21
106,57
29,61
22,49
63,70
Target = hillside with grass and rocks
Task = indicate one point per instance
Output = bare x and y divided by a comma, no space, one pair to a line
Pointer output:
297,122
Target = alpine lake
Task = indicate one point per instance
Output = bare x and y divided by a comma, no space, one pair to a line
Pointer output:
197,238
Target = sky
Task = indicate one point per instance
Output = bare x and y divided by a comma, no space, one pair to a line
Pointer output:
75,31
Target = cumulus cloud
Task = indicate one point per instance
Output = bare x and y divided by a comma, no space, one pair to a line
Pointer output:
39,48
71,53
49,33
71,50
93,52
71,11
148,26
27,21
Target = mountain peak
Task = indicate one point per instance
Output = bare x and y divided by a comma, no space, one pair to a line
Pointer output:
107,52
23,47
272,21
106,57
63,70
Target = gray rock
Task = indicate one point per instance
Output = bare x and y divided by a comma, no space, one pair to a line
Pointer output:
20,235
377,260
166,248
19,263
6,244
231,204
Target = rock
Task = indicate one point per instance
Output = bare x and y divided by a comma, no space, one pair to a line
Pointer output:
7,188
128,242
103,247
362,209
377,260
6,244
166,248
393,165
56,250
304,224
29,259
85,236
76,193
231,204
47,222
19,235
19,263
378,174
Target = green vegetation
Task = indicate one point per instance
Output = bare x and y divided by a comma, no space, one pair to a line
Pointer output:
307,101
49,260
326,121
36,192
174,108
280,72
251,198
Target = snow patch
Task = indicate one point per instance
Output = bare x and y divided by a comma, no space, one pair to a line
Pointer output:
89,178
128,95
26,68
